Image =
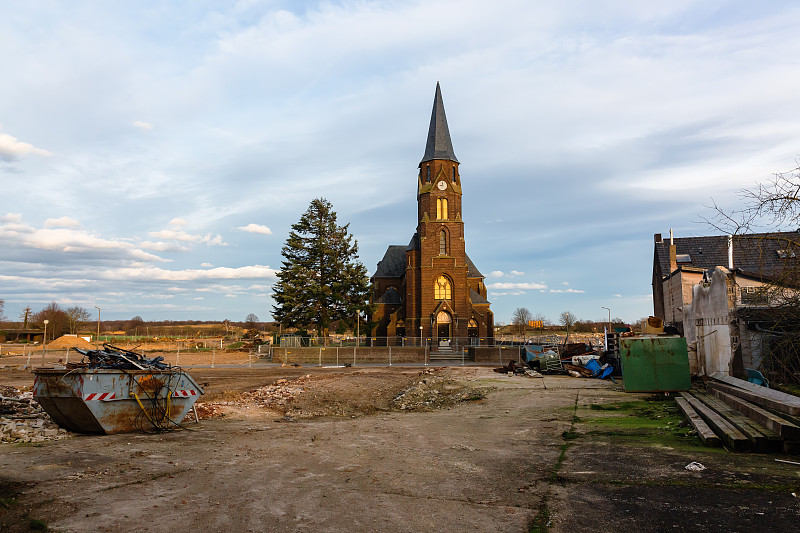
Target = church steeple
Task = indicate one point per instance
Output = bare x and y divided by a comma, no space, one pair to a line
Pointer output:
439,145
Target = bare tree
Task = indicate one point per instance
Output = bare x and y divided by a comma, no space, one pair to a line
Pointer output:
520,318
766,212
2,308
76,316
567,319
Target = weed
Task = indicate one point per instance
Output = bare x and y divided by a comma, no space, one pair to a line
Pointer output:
570,435
38,525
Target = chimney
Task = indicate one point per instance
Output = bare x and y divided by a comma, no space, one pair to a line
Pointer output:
730,252
673,255
657,238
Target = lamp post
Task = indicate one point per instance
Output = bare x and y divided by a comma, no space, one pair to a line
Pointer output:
609,316
420,335
98,325
44,339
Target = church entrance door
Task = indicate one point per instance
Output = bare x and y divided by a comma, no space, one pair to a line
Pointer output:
443,323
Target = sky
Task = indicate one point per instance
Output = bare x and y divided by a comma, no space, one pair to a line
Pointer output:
153,155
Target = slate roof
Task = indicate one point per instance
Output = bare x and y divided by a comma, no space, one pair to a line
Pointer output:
755,253
472,270
393,264
477,298
391,296
439,145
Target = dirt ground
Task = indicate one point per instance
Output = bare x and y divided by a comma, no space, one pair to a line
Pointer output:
399,449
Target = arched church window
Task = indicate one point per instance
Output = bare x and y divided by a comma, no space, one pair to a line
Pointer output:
428,173
443,242
441,209
472,323
441,289
454,173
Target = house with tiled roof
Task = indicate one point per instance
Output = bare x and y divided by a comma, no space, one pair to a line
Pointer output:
702,285
679,263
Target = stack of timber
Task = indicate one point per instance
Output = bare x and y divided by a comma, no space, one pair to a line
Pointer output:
743,416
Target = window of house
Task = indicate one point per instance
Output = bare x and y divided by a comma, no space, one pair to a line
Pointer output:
441,289
443,242
754,295
683,258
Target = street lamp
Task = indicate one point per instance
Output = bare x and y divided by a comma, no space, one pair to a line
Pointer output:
98,324
44,339
420,335
609,316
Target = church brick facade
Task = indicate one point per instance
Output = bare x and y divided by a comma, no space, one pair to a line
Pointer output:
430,288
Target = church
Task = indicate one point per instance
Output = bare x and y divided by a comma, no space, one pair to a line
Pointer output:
430,289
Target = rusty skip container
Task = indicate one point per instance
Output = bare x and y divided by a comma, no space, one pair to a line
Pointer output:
86,400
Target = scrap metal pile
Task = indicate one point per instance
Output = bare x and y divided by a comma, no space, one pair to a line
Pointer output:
111,357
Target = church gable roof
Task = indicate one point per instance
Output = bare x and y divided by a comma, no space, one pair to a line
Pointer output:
439,145
477,298
393,264
391,296
472,270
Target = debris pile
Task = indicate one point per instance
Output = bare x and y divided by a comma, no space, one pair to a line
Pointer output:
278,397
23,420
433,391
111,357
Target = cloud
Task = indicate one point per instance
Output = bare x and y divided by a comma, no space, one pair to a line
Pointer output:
515,273
573,291
496,274
161,246
255,228
183,236
206,265
155,273
63,222
522,286
143,125
177,222
11,148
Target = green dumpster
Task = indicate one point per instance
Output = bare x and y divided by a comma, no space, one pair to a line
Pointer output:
655,364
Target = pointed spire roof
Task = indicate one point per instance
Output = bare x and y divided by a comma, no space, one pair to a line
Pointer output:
439,144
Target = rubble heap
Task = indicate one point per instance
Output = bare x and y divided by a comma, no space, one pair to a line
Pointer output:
23,420
433,391
278,397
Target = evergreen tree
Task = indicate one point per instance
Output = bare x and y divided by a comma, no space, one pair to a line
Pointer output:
321,279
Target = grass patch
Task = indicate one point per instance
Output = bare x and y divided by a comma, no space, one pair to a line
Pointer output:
541,522
570,435
38,525
652,421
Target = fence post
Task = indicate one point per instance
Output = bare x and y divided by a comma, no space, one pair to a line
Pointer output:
249,358
213,356
28,364
425,355
320,356
178,358
500,355
390,353
337,356
354,356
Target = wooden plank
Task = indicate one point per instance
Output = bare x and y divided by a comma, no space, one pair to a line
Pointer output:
732,437
705,433
780,401
751,397
783,427
763,439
